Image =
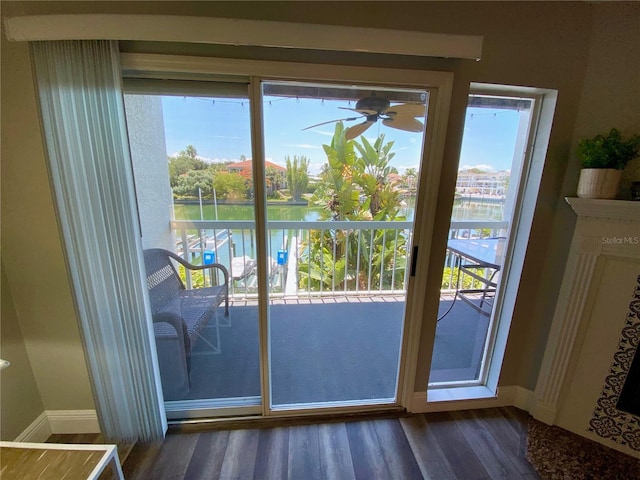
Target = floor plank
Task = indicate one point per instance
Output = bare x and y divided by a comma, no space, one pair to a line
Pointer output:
335,453
430,457
141,460
519,420
488,448
304,450
208,455
240,457
469,445
460,454
174,457
366,452
511,432
401,463
272,460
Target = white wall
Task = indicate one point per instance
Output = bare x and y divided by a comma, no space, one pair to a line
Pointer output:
145,125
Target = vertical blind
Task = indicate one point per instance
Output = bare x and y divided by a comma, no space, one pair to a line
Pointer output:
82,110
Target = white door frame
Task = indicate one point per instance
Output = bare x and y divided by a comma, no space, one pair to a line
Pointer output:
439,84
441,398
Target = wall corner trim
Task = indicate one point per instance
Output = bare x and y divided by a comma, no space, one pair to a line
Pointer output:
38,431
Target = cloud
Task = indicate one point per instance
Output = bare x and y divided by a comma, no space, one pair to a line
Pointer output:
302,145
199,157
315,168
326,133
482,166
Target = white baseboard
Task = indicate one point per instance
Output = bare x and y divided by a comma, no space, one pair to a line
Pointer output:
86,421
522,398
544,413
37,432
467,398
73,421
60,421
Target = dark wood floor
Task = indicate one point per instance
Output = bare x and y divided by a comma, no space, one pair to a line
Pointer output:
469,445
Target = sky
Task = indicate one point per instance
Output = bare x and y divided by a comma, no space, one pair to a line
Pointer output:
219,129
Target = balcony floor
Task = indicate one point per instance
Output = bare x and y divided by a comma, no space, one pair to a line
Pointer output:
330,350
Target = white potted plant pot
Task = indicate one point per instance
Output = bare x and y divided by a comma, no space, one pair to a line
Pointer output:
599,182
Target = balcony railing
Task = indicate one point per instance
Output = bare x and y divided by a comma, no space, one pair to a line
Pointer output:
468,229
316,258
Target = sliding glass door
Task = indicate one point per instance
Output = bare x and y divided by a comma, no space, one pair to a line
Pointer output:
191,154
493,159
305,194
341,166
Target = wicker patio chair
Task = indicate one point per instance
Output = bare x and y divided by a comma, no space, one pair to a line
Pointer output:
180,315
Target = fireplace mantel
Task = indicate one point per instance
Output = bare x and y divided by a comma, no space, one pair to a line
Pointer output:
605,209
600,278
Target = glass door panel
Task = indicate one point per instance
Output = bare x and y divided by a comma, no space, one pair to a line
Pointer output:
341,166
194,185
491,162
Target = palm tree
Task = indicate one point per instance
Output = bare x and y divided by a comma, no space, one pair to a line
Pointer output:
410,177
353,188
297,176
372,175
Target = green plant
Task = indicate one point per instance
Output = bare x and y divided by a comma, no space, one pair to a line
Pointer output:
353,187
197,277
297,176
450,280
611,151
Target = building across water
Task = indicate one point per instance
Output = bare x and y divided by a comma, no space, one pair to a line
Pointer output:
482,184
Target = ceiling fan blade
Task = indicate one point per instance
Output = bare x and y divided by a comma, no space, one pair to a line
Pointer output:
406,110
332,121
408,124
363,112
357,130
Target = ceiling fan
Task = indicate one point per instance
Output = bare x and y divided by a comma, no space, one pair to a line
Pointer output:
373,108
